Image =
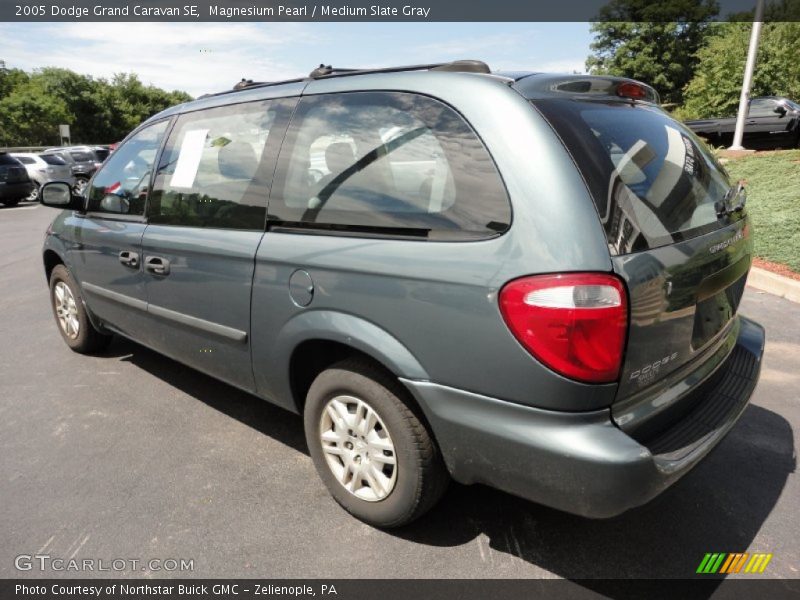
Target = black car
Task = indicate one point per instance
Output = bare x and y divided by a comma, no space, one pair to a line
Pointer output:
15,185
772,122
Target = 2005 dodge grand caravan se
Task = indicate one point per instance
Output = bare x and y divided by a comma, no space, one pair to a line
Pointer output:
524,280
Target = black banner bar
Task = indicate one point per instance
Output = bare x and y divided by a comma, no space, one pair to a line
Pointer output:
396,589
359,10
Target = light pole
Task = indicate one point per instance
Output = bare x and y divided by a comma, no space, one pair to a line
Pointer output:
744,99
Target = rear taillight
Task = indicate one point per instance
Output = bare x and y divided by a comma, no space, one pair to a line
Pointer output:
574,323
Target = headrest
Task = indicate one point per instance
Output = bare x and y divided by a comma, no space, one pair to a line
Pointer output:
237,160
339,156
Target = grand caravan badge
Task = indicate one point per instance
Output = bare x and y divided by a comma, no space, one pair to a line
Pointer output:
731,240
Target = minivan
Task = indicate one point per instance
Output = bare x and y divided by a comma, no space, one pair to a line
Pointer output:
524,280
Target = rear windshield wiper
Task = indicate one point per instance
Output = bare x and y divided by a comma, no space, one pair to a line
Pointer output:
733,201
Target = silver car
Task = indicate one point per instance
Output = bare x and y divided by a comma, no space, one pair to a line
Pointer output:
44,168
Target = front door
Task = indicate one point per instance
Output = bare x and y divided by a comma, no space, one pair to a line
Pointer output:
764,127
206,220
106,258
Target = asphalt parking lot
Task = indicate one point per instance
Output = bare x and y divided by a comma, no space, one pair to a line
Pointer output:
132,455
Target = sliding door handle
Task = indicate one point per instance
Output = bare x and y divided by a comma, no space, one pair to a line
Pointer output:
157,265
129,258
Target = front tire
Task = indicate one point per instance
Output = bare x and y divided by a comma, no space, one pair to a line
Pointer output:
80,186
376,457
73,323
11,202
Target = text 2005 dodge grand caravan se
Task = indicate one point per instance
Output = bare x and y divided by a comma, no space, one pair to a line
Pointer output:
523,280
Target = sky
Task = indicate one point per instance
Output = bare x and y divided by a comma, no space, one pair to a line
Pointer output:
209,57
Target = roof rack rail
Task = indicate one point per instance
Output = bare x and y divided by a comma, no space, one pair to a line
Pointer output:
324,71
462,66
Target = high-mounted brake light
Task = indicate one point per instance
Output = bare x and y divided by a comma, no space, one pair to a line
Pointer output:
631,90
574,323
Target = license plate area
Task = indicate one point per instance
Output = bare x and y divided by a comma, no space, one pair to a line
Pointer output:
713,313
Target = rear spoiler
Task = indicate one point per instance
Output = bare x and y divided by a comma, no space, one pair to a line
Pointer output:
585,86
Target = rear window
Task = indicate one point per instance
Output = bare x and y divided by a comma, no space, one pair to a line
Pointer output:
6,159
653,181
25,160
52,159
83,156
102,154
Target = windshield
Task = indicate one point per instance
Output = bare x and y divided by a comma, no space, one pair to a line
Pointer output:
793,105
653,181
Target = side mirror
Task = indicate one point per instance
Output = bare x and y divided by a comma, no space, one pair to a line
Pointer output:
781,110
58,194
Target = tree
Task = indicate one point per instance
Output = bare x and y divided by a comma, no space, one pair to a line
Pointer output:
653,42
715,88
32,105
10,78
31,116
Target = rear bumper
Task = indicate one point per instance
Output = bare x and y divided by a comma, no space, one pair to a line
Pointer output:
15,190
582,462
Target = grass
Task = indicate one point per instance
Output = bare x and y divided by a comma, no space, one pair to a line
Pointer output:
773,202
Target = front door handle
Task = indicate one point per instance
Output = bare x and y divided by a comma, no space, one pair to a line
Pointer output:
129,258
157,265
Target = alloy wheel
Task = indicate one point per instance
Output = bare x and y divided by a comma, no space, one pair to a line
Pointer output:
66,310
358,448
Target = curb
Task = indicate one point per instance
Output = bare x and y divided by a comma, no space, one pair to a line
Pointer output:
779,285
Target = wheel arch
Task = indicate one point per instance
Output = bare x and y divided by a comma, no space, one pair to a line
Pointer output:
51,259
314,340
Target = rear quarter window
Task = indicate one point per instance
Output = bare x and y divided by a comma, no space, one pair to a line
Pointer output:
387,163
52,159
652,180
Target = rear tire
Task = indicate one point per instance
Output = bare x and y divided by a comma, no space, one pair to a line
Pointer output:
70,313
374,454
11,202
34,195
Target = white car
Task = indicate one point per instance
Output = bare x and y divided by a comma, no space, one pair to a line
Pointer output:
44,168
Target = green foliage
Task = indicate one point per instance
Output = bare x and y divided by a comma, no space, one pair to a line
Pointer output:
715,89
31,115
32,105
773,195
654,42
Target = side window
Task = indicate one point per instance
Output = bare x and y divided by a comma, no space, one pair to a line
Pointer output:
762,108
387,163
121,185
212,173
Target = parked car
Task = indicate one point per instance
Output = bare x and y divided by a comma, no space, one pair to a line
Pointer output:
15,185
83,161
44,168
772,122
524,280
101,152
